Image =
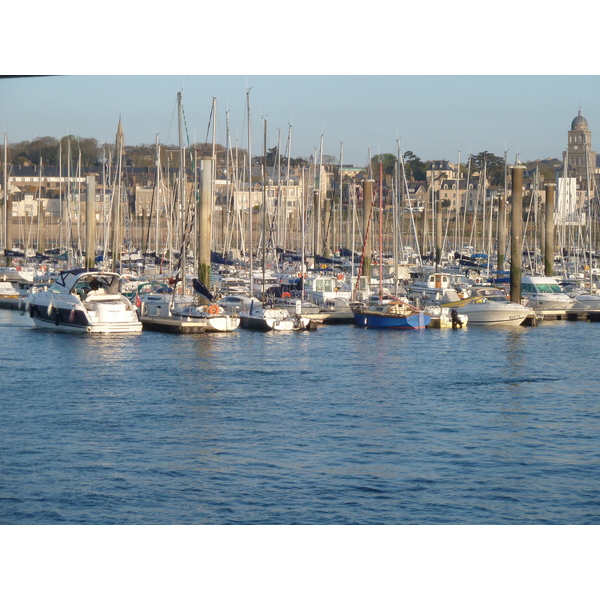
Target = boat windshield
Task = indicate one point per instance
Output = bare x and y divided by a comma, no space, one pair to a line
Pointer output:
548,288
56,289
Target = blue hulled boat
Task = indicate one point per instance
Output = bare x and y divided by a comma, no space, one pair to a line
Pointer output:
390,315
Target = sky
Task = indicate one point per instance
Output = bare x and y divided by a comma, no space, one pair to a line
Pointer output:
353,116
442,83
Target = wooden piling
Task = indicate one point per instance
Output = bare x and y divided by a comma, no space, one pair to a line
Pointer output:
204,224
501,233
368,226
317,224
516,255
90,222
549,230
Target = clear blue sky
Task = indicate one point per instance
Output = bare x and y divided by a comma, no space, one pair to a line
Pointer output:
433,116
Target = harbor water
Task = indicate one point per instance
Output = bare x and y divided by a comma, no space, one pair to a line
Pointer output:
339,426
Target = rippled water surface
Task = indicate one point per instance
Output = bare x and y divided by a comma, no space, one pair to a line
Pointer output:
337,426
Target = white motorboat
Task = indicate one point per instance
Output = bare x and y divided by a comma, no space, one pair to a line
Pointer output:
544,293
487,306
172,311
82,300
235,304
321,288
296,306
213,316
431,286
274,319
584,300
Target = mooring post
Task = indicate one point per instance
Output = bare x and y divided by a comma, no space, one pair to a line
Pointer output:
516,240
368,227
90,222
549,230
204,231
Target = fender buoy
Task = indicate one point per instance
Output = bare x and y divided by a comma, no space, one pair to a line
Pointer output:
72,316
286,295
145,310
57,318
213,309
31,310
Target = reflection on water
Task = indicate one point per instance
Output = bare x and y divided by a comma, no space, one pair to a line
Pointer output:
341,425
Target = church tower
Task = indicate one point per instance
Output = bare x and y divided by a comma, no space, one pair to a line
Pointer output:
579,155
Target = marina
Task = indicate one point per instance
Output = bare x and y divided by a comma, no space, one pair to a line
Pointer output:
231,334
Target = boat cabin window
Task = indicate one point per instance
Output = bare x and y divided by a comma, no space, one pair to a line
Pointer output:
541,288
323,285
548,288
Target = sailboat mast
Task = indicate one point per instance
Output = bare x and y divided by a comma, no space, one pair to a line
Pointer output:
250,243
181,213
264,202
5,188
341,196
287,237
380,229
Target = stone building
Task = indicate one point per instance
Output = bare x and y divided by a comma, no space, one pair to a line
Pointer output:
579,156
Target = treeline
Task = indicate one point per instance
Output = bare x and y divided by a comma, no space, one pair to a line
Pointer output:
87,152
49,151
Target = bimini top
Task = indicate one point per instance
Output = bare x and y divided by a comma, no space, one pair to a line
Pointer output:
67,280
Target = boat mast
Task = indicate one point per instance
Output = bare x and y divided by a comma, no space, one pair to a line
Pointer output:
264,211
339,244
5,188
286,233
589,218
250,243
380,229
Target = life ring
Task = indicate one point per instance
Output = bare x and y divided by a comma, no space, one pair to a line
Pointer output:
286,295
340,276
213,309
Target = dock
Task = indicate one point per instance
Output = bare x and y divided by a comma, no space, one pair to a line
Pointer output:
10,303
332,318
583,314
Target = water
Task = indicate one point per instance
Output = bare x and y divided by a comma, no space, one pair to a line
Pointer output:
338,426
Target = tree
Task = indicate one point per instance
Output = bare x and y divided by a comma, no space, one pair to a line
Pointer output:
415,168
389,164
494,166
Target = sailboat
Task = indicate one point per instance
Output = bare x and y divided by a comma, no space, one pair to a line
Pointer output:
385,313
263,317
177,311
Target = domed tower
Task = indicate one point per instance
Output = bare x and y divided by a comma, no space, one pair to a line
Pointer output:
579,155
